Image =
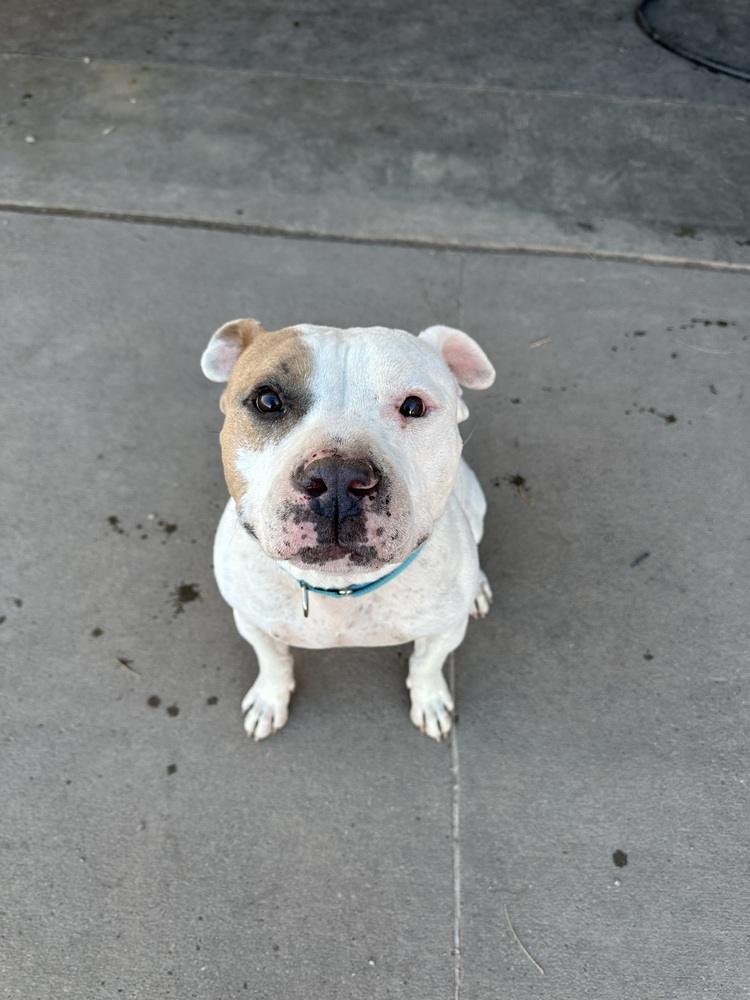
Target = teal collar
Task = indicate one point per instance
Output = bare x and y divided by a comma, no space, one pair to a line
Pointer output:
356,589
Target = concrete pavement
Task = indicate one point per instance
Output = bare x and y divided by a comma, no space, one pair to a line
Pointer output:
590,816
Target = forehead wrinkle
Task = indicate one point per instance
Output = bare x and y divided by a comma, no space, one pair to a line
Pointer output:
333,371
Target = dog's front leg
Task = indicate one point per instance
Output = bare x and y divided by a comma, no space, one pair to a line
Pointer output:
431,701
267,701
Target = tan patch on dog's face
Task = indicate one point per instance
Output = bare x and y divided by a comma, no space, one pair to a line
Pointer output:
279,361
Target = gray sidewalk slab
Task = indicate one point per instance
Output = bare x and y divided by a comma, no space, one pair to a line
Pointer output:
156,850
602,706
606,709
373,160
590,46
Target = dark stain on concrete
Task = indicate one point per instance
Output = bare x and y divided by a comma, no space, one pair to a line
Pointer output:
700,321
668,418
184,594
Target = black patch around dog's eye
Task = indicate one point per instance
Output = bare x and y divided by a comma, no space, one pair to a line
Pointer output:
273,407
412,406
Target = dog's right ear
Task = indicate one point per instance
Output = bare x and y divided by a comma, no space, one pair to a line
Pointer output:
225,347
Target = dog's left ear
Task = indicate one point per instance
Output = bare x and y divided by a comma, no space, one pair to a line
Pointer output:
225,347
465,358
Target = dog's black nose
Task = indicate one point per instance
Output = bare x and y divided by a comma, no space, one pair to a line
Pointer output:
336,487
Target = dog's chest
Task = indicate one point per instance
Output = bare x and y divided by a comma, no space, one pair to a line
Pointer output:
346,621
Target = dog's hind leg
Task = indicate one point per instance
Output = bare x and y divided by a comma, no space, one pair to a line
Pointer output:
471,498
484,597
266,704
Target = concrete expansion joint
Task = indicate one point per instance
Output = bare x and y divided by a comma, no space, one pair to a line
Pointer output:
455,837
415,243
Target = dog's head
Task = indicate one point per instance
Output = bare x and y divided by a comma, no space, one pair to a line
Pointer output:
341,447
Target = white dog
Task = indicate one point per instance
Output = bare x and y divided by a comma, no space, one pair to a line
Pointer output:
353,519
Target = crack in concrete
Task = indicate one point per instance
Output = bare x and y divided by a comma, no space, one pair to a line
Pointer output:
455,839
462,268
416,243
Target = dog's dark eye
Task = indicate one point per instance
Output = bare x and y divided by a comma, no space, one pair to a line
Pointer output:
268,401
412,406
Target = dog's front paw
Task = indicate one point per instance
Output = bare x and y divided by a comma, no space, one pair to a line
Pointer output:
483,599
431,706
266,708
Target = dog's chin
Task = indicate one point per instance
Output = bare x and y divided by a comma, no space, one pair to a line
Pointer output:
336,559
